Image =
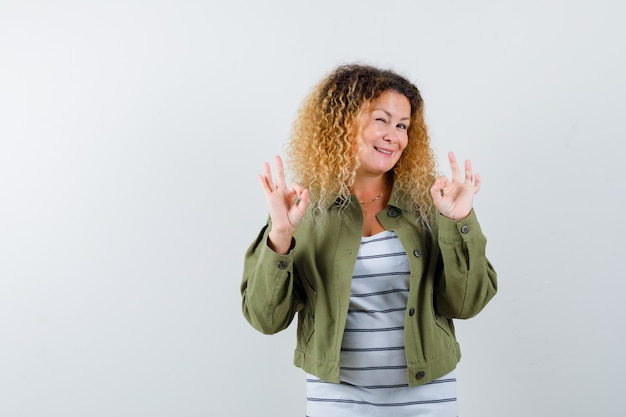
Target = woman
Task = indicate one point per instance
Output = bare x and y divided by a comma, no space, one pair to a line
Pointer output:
374,252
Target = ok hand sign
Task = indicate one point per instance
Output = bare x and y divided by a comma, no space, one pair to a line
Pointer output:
286,205
454,199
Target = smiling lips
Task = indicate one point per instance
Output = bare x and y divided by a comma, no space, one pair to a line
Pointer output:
383,151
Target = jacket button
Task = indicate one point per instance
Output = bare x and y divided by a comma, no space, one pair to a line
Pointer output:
411,311
417,253
282,265
420,375
465,229
393,212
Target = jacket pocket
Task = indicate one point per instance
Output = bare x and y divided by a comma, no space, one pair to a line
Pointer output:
306,317
445,325
442,323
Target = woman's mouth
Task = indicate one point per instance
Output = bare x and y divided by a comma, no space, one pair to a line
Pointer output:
383,151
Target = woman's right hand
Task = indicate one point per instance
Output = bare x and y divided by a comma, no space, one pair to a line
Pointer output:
287,206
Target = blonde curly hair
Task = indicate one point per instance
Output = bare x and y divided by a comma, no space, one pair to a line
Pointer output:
322,155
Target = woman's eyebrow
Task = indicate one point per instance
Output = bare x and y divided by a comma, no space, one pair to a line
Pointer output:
389,114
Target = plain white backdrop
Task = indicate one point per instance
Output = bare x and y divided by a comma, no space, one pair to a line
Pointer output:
131,133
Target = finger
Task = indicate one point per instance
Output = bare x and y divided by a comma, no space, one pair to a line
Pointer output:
435,193
264,185
477,183
454,167
304,201
266,178
280,173
301,193
468,171
296,187
443,181
436,190
269,176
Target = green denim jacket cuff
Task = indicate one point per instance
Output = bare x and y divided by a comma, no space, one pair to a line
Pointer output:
464,229
281,261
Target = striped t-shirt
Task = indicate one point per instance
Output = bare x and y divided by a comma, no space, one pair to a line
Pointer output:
374,380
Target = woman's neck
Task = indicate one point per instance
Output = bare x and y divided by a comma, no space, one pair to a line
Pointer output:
370,189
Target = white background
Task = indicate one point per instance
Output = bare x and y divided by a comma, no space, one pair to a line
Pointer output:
131,133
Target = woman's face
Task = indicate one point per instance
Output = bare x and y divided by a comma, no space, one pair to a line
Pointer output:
384,133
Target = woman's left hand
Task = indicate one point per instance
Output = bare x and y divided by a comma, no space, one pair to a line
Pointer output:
454,199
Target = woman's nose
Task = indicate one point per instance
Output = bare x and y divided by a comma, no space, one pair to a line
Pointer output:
389,135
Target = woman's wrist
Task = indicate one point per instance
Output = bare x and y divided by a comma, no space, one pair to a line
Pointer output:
280,243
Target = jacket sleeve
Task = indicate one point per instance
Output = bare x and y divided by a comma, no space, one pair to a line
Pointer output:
270,288
466,279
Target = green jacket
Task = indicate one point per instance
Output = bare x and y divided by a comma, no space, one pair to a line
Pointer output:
450,278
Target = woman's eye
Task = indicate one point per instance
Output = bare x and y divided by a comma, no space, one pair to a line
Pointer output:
380,119
402,126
